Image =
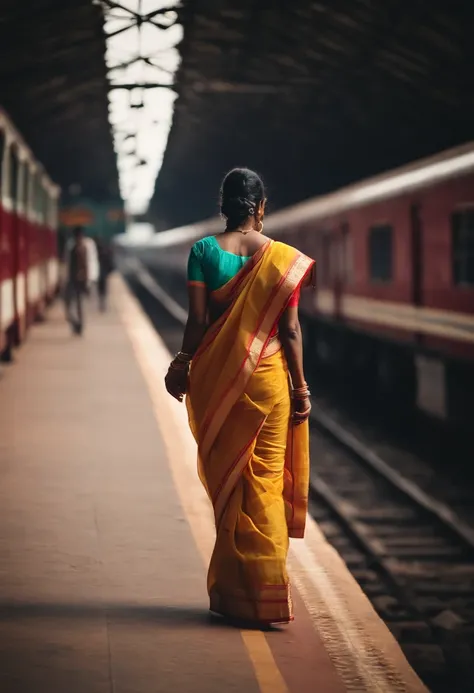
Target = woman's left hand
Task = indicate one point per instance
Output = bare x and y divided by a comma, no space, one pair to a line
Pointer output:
301,410
176,381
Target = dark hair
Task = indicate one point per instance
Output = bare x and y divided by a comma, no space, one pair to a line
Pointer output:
241,192
78,231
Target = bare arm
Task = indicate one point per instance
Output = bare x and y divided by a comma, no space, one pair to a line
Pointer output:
196,327
292,342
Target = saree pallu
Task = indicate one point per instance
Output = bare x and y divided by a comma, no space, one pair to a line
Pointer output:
253,463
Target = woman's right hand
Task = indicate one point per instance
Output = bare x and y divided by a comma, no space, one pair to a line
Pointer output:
301,410
175,382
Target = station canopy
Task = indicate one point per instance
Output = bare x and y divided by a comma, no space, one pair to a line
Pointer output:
314,95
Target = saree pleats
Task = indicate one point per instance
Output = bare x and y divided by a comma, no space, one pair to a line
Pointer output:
253,463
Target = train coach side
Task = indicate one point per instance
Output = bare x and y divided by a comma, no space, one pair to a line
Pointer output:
395,296
395,292
28,249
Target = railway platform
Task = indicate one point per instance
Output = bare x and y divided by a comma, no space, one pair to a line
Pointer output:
105,535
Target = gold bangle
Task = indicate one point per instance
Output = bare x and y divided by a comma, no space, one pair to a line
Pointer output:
303,388
301,393
182,356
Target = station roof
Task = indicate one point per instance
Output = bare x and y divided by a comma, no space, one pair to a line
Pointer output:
53,85
314,95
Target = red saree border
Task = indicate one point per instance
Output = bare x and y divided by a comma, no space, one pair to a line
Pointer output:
259,606
296,480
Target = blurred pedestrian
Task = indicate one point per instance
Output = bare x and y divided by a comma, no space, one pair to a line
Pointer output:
105,268
92,264
77,268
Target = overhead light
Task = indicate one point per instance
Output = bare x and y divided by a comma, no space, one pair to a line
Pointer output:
142,116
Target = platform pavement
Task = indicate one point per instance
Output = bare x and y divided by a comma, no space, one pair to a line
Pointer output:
105,533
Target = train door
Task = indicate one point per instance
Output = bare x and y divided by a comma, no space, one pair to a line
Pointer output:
12,229
37,268
34,244
19,243
53,256
45,243
430,370
23,235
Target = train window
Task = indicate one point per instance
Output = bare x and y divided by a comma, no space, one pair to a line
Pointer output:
13,170
462,225
31,191
45,206
380,253
38,196
26,183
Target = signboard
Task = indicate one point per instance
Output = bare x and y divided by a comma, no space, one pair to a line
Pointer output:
99,219
76,217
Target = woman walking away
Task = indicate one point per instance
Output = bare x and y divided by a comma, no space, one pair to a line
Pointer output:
241,367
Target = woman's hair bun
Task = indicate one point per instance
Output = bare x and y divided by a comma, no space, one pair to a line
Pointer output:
237,206
241,193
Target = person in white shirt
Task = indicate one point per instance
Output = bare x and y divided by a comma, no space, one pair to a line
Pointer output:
89,270
93,267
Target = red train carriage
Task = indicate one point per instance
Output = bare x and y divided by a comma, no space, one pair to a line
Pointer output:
28,222
396,281
395,258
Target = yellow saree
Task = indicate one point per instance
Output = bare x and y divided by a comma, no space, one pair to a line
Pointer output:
252,461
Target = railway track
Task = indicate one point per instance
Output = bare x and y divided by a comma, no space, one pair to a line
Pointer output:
413,564
410,552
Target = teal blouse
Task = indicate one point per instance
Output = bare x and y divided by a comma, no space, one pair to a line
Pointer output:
210,265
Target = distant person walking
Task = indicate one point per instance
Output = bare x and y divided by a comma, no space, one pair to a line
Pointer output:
92,264
105,268
77,277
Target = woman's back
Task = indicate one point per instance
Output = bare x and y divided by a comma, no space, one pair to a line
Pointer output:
214,261
238,243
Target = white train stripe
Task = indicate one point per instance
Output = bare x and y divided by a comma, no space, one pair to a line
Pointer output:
53,272
7,306
34,284
20,293
458,326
